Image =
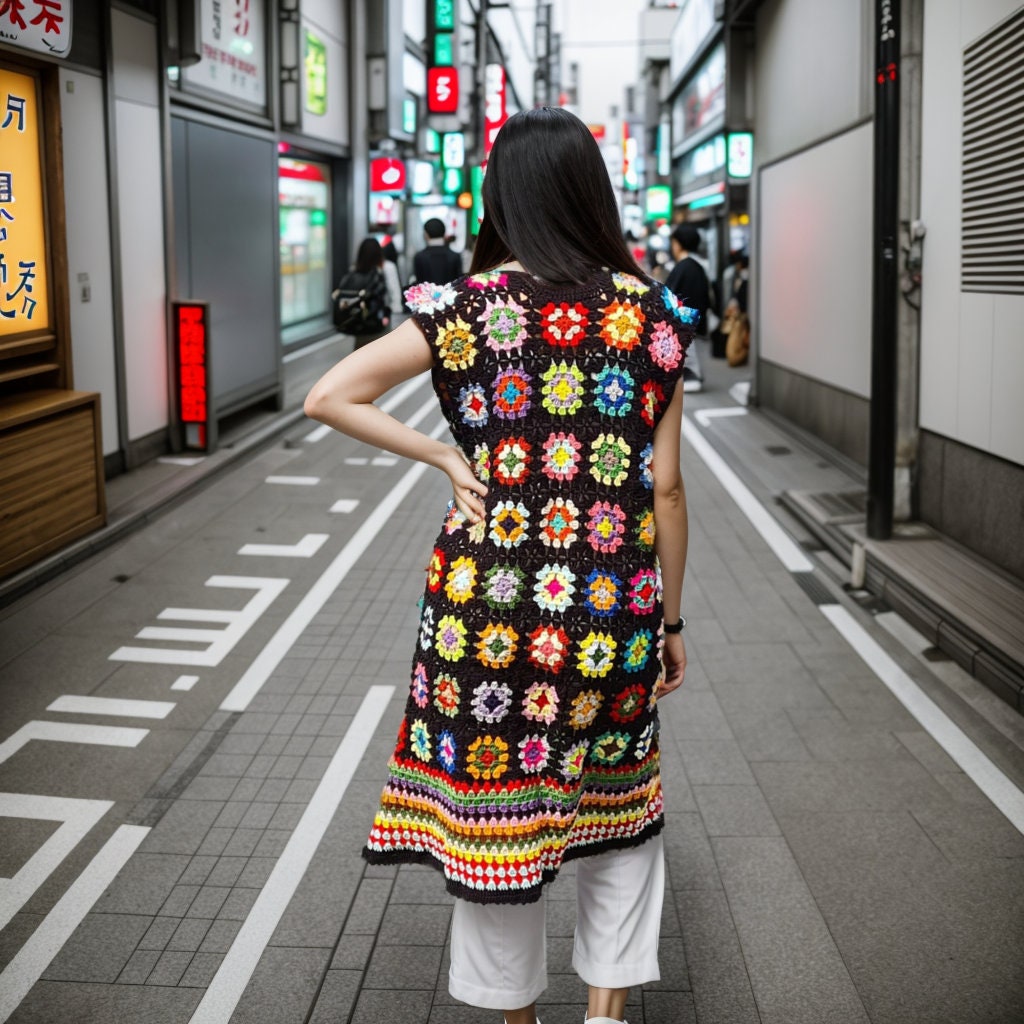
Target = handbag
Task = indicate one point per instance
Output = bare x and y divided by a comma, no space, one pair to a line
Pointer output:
355,304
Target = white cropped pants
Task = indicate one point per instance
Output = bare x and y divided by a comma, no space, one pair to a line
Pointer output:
499,954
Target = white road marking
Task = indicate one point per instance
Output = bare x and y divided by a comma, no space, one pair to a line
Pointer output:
295,481
985,775
291,629
357,460
383,460
787,550
221,998
184,682
28,964
76,818
305,548
391,402
429,406
218,641
181,460
72,704
345,505
319,433
71,732
705,416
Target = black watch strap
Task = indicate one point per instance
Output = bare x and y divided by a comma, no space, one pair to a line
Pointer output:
675,627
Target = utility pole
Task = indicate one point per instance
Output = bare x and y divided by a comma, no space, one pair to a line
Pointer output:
885,272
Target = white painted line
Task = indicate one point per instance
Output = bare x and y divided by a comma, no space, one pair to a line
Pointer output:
71,732
409,387
308,350
787,550
705,416
345,505
221,998
219,642
181,460
985,775
184,682
319,433
429,406
357,460
296,481
305,548
76,818
291,629
75,705
57,927
383,460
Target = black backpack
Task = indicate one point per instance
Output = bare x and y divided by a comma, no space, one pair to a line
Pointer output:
359,303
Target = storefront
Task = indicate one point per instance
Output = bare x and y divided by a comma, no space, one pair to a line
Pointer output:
304,213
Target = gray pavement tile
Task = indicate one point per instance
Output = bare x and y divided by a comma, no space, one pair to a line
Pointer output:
232,766
257,815
201,970
284,724
271,843
240,743
138,968
220,936
51,1002
237,906
972,835
243,842
409,925
247,790
559,954
226,871
189,934
695,714
353,952
283,987
961,788
298,704
272,791
261,766
179,900
403,967
565,988
285,767
932,757
255,872
159,933
691,863
286,816
378,1006
796,971
367,910
210,787
714,762
215,841
208,901
718,975
668,1007
675,976
735,811
182,828
273,745
767,735
410,888
560,916
321,903
261,722
170,968
231,814
831,737
309,726
337,996
143,884
298,790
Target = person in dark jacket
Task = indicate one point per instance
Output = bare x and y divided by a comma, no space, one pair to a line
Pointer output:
689,281
436,263
367,276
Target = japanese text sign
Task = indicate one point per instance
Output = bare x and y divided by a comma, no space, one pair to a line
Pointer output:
442,90
40,25
495,112
24,292
191,323
234,60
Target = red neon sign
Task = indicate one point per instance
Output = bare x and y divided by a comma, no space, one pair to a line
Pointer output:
387,174
442,90
191,326
495,112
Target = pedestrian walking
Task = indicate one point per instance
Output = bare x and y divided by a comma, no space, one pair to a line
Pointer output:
550,624
436,262
361,306
689,281
391,276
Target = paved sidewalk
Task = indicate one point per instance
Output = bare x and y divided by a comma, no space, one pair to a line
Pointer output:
828,862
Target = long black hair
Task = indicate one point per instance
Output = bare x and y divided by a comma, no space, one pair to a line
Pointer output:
548,201
369,255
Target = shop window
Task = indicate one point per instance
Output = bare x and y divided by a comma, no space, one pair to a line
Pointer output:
304,189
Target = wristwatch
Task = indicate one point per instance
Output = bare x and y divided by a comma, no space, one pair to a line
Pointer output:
675,627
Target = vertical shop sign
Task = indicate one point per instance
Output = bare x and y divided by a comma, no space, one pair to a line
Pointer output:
40,25
442,90
315,60
495,104
234,61
24,292
191,329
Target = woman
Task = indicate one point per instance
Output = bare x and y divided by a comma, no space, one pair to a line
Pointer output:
361,300
530,736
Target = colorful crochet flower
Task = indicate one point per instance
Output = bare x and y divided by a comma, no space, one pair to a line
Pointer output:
497,645
511,460
563,388
461,580
596,654
533,754
643,593
487,757
435,571
630,284
446,695
541,703
455,345
610,748
609,459
491,701
482,462
512,393
603,592
477,531
628,703
473,405
613,390
450,638
664,347
684,314
427,628
548,648
430,298
622,325
584,708
605,527
554,588
420,686
454,520
559,521
510,521
564,325
446,748
419,739
574,759
651,401
504,325
643,742
487,279
637,650
561,454
645,530
646,457
503,586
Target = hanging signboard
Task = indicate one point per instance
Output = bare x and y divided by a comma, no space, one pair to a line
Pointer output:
442,90
24,290
40,25
740,159
387,174
234,59
495,104
315,60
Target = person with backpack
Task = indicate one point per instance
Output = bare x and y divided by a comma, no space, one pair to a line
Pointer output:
361,304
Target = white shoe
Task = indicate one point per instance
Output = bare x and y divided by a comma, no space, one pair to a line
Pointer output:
600,1020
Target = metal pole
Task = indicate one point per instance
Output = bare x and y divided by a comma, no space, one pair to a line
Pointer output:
885,271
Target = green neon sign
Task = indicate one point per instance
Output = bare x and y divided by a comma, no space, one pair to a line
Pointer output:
315,61
409,116
444,52
444,15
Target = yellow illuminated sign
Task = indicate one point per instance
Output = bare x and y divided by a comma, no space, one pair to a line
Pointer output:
24,295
